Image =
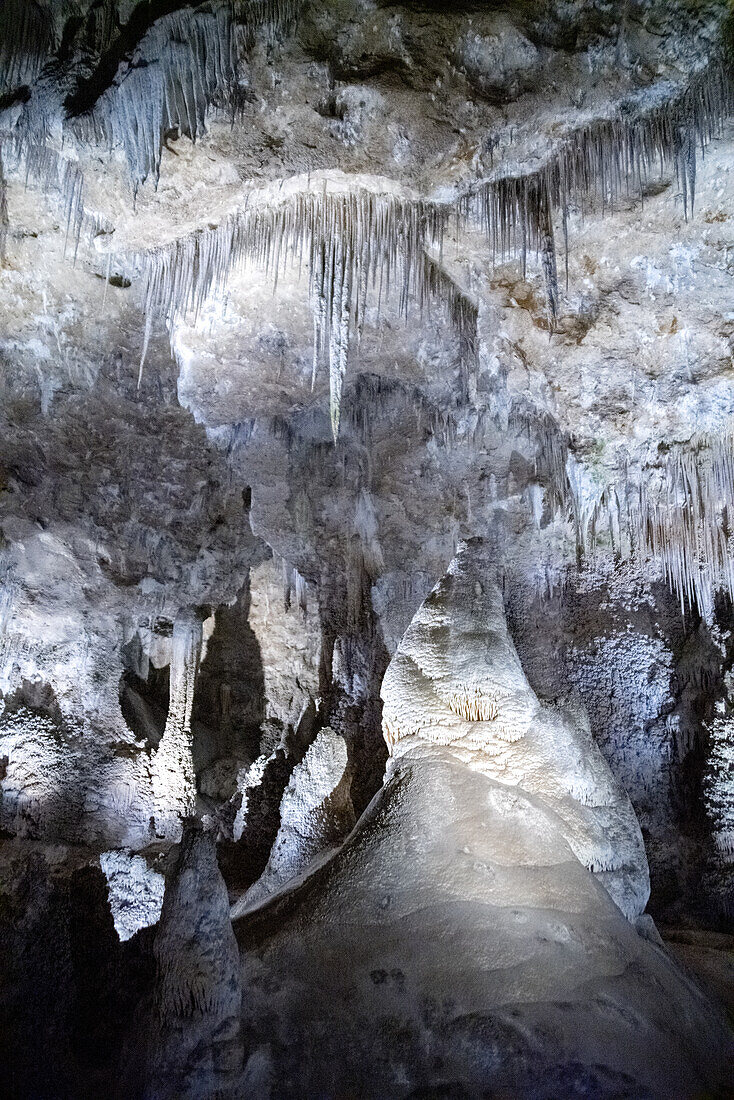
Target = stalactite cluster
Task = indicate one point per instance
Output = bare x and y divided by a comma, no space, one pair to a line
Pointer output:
677,515
182,64
475,706
27,37
351,241
357,240
349,607
185,63
600,164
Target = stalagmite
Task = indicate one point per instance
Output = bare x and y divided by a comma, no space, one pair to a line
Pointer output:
172,767
195,1048
315,814
456,681
457,912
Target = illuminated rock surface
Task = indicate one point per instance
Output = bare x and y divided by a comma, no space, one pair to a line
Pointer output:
457,943
456,681
297,297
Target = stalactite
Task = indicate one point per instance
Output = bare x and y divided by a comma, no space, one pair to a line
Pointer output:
179,68
551,459
373,397
274,16
548,254
101,26
436,285
31,155
474,706
351,238
677,515
27,38
185,64
604,159
295,588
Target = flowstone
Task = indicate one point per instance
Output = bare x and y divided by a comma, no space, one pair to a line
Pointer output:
456,942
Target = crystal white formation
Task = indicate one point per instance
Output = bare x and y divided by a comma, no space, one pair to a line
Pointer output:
315,813
352,235
174,782
456,935
719,786
135,891
456,681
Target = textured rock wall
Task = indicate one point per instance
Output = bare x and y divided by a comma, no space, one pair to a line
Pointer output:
294,298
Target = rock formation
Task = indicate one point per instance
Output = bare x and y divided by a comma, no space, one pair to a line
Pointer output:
316,812
195,1046
457,943
174,784
300,302
456,681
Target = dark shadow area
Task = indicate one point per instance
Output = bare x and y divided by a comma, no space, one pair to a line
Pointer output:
242,862
68,988
353,663
88,89
229,702
36,696
652,680
144,691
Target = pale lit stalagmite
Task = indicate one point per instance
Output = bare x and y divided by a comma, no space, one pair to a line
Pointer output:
456,681
458,916
315,814
174,783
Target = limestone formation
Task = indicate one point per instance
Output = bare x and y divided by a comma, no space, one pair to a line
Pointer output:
457,910
456,681
315,814
194,1046
135,891
174,784
301,302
